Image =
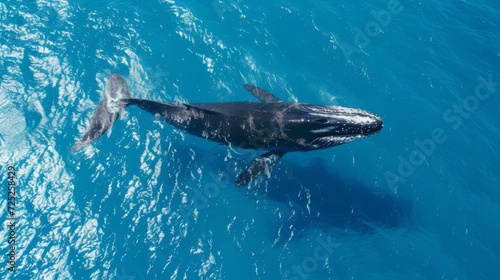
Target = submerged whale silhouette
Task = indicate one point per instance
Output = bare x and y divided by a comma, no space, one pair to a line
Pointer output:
271,125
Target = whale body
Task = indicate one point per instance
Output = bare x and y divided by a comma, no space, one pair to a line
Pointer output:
271,125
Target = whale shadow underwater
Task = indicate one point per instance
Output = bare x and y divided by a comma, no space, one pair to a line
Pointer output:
273,126
335,202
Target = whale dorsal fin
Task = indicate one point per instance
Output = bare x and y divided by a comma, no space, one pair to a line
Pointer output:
262,94
259,164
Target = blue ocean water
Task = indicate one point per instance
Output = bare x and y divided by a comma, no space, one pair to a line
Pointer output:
419,200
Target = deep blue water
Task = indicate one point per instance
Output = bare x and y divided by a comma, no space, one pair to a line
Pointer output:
419,200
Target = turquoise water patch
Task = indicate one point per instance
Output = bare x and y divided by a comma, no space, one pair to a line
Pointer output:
419,200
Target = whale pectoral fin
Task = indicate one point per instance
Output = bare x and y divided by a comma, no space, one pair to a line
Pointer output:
261,163
262,94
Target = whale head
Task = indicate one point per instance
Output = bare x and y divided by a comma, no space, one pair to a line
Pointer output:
319,127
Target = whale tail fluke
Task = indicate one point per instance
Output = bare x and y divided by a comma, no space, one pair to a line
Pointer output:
108,110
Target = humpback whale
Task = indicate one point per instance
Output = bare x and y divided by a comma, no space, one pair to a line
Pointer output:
271,125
